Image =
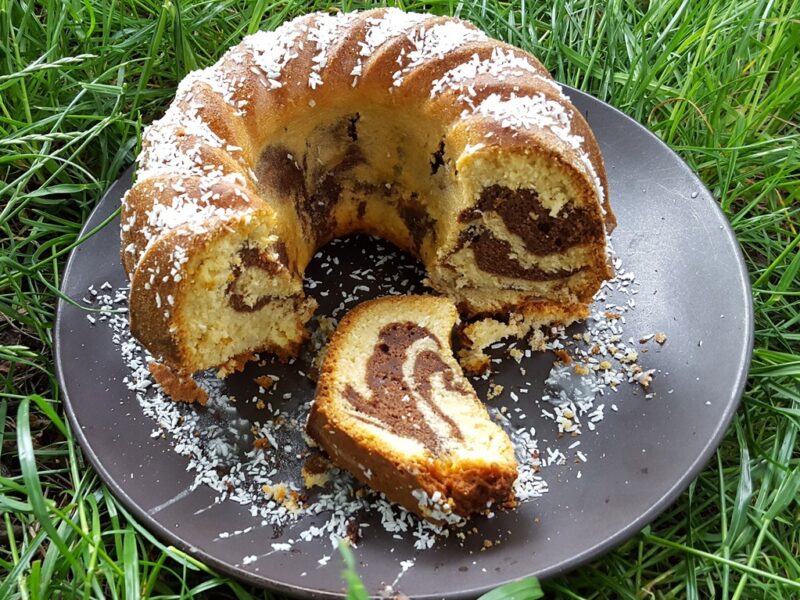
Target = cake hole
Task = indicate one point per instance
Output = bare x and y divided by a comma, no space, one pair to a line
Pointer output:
437,159
473,234
544,227
352,133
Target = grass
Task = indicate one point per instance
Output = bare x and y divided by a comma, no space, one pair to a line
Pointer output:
718,81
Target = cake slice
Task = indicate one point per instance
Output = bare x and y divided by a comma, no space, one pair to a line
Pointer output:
394,408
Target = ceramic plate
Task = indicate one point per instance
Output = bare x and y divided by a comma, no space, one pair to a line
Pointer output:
688,281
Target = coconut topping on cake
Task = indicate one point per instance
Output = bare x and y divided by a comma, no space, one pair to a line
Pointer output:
296,137
434,42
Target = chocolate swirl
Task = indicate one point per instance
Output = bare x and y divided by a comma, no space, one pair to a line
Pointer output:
395,398
525,216
255,259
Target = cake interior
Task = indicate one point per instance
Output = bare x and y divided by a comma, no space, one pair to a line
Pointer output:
242,296
410,393
524,228
405,420
524,232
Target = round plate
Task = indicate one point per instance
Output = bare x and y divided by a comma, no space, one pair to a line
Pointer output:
692,285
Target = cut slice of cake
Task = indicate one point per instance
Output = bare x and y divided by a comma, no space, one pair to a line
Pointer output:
394,408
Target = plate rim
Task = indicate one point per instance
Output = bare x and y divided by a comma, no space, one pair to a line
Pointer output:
594,552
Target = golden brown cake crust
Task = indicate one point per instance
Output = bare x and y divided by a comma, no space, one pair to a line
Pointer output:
470,490
181,388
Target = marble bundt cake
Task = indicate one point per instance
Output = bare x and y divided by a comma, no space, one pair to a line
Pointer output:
406,421
418,129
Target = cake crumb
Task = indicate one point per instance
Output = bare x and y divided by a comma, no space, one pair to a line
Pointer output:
264,381
473,363
495,390
538,341
283,495
276,492
262,443
644,378
660,337
181,388
563,355
316,471
319,344
353,532
235,364
581,369
482,334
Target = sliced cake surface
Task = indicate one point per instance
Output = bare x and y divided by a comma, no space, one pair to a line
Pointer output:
394,408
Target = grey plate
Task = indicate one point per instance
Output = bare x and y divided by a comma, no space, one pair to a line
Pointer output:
693,286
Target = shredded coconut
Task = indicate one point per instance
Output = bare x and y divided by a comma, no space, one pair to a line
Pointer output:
434,42
527,112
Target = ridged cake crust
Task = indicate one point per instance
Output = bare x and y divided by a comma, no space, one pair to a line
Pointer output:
418,129
393,408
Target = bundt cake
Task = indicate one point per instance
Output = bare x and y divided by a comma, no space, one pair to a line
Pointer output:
418,129
405,421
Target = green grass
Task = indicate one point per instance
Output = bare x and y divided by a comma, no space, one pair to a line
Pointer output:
718,81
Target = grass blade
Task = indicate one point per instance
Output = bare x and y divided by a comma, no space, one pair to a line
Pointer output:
524,589
130,560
